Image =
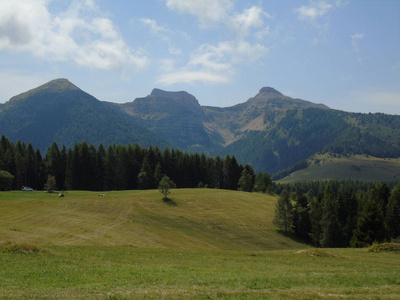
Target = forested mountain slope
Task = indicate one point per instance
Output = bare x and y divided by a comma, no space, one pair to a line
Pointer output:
270,130
60,112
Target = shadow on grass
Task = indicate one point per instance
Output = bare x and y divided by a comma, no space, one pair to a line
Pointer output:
170,201
294,237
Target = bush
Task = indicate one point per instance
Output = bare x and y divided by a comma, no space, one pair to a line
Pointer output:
6,180
385,247
165,186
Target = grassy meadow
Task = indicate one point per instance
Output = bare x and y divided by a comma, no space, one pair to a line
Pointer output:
357,167
206,244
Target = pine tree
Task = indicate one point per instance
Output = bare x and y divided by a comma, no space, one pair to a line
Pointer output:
158,173
263,182
393,213
330,220
145,177
283,212
245,182
301,218
370,224
315,219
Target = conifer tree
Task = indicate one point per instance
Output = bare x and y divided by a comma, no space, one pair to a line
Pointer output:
315,218
393,213
370,224
301,218
245,182
283,212
330,220
145,177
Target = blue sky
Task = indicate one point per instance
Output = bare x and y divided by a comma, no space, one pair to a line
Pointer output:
343,53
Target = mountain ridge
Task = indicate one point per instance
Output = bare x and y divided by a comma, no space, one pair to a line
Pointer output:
56,85
271,131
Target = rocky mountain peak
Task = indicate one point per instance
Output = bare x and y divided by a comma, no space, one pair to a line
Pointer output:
270,90
181,97
54,86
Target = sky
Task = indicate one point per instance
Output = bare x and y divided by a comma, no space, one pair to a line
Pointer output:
342,53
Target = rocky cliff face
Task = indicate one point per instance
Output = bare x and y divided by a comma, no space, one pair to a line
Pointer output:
176,116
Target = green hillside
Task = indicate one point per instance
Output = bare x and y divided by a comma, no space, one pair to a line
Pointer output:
201,218
207,245
355,167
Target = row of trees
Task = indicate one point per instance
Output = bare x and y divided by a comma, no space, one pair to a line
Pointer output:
123,167
341,218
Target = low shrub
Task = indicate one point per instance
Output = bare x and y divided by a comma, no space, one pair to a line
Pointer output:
385,247
317,252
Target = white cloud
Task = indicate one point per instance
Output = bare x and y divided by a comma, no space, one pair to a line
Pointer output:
313,10
217,62
87,39
164,33
157,29
355,39
227,54
212,64
318,8
207,11
252,17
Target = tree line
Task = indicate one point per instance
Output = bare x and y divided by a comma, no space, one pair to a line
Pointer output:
340,214
121,167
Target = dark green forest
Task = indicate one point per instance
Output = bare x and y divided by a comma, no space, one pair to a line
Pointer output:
120,167
340,213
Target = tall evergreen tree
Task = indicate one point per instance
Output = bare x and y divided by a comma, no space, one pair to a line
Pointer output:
315,218
146,176
348,208
301,218
245,182
283,212
263,182
330,220
393,213
20,164
110,169
370,223
55,165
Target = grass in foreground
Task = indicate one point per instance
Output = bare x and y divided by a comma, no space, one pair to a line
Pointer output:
123,272
210,245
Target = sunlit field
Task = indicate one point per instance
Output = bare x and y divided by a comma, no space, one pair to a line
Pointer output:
207,244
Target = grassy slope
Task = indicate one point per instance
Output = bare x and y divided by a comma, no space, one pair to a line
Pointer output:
131,245
202,218
123,272
358,167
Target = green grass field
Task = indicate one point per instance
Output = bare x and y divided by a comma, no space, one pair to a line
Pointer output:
210,244
358,167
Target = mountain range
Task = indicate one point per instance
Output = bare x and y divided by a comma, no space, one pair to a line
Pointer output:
270,131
